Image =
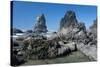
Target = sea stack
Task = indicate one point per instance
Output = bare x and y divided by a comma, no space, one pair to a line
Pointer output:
68,22
40,26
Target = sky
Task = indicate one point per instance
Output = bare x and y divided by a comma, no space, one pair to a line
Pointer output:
25,14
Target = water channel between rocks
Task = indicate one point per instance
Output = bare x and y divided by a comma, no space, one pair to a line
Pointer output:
73,57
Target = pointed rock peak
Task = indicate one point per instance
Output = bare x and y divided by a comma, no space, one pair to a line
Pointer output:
40,26
41,17
70,14
69,20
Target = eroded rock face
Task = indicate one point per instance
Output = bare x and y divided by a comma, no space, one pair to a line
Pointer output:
93,28
93,33
89,46
40,26
69,20
70,25
73,31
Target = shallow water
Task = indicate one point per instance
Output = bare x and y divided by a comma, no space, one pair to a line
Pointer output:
73,57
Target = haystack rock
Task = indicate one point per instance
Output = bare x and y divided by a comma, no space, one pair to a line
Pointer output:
70,25
40,26
68,22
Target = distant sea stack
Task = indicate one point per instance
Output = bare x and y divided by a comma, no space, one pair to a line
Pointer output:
40,26
93,28
15,30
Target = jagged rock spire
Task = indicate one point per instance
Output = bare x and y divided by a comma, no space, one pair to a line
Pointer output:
40,26
68,20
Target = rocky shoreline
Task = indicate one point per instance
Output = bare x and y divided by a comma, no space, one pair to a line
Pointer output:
72,36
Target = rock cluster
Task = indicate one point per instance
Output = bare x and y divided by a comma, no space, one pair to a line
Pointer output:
73,31
42,49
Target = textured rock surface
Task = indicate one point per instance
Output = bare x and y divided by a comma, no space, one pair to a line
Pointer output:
43,49
93,28
68,22
40,26
89,50
73,31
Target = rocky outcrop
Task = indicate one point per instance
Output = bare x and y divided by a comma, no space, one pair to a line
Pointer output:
71,29
74,32
68,22
40,26
42,49
93,28
92,33
88,50
89,43
15,30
